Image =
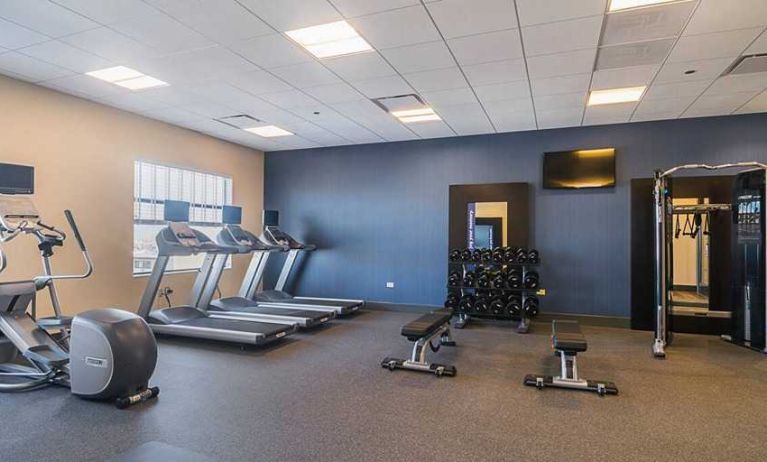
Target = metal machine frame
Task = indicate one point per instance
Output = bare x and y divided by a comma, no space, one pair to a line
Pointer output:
417,361
664,209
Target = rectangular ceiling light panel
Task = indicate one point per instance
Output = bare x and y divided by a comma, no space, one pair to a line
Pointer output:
633,54
618,5
328,40
126,78
616,95
268,131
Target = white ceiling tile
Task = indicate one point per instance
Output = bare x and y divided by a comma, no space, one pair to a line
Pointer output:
738,14
652,52
209,109
608,114
623,77
28,68
509,109
714,45
502,91
162,33
44,17
543,11
197,65
107,11
563,101
496,72
652,116
14,36
759,45
722,103
258,82
305,75
230,96
436,79
444,98
457,18
66,56
172,95
396,28
360,66
84,85
665,106
385,86
659,91
111,45
172,115
287,15
739,83
558,85
559,118
352,8
467,119
290,99
575,34
334,93
364,112
707,69
272,51
572,62
757,104
133,102
489,47
419,57
437,129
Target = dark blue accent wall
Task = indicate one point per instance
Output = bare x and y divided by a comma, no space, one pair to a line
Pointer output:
379,212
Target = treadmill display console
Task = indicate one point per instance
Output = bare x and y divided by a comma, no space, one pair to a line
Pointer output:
271,218
232,215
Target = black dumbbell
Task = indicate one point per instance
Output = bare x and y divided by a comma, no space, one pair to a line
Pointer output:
496,305
466,255
486,255
521,256
452,300
509,255
483,280
476,255
470,279
531,280
455,255
514,279
498,281
497,255
466,303
531,307
533,256
482,304
514,305
454,279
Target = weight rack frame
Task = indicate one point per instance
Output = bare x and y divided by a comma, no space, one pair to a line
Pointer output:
523,326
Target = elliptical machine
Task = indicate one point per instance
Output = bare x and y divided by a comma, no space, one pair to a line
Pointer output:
99,354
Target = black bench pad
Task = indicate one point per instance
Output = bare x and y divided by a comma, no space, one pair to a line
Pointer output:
567,336
425,325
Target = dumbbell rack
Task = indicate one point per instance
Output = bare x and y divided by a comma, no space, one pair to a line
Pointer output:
523,325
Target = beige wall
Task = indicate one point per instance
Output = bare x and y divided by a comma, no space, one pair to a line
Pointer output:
83,154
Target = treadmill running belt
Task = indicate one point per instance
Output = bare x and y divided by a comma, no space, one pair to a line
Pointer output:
267,329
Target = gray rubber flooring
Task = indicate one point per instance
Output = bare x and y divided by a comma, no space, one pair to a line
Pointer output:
323,396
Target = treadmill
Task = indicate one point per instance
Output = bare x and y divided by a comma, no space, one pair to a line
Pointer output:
179,239
273,235
242,306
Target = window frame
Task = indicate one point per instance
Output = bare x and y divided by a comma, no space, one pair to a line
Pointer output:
194,224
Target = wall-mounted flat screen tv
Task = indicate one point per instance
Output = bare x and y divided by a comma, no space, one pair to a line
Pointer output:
581,169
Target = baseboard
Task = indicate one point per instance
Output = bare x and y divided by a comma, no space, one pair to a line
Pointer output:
585,319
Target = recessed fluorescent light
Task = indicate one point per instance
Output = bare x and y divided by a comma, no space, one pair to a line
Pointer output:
141,83
618,5
126,77
332,39
419,118
616,95
413,112
114,74
268,131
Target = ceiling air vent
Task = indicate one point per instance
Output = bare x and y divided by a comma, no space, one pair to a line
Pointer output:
633,54
399,103
642,24
241,121
748,64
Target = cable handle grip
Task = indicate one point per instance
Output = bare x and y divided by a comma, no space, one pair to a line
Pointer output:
75,229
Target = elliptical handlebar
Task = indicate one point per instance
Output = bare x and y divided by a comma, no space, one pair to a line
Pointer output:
86,255
75,230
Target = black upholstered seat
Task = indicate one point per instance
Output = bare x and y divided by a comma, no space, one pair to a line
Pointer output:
425,325
567,336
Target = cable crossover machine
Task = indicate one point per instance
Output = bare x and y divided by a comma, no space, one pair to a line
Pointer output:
749,276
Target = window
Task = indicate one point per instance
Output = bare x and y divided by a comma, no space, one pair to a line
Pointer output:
152,185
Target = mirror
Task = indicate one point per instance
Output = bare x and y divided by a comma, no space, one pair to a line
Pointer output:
690,291
487,224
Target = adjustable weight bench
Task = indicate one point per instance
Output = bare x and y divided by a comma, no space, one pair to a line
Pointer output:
568,340
423,331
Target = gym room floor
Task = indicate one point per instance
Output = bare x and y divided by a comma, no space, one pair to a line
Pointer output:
324,396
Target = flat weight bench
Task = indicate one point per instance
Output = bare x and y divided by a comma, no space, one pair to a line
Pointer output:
423,331
568,340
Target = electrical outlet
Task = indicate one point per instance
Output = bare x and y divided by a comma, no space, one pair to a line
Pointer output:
389,285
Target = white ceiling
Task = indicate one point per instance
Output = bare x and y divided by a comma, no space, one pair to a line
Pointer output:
486,66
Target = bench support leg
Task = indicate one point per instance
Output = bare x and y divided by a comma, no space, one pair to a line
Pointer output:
569,378
417,361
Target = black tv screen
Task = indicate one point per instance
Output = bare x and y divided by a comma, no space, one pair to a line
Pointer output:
176,211
232,215
271,218
17,179
584,168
